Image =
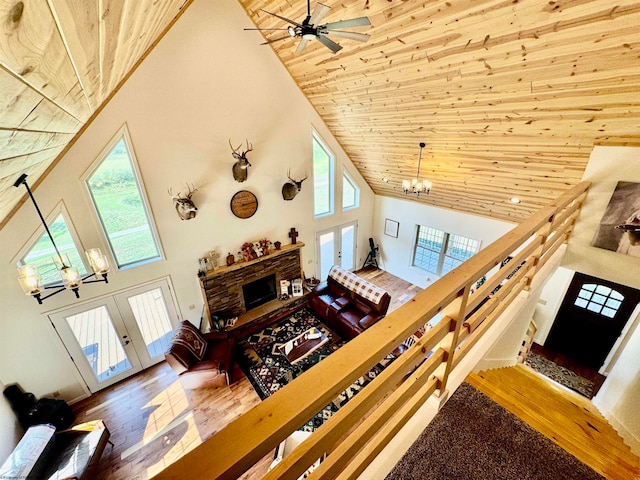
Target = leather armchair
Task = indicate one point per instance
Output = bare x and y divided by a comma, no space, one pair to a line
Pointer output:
200,360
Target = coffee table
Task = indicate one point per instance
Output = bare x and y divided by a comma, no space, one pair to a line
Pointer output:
301,346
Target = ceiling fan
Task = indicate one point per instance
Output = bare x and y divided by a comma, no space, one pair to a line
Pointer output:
311,29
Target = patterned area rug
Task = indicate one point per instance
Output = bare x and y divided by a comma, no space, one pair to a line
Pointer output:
268,371
559,374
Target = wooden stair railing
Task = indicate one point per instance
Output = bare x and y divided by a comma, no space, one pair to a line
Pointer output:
353,436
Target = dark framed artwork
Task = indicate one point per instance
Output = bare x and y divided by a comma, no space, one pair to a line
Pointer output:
391,228
619,229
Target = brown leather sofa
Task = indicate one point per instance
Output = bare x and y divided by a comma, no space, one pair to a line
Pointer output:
347,303
201,360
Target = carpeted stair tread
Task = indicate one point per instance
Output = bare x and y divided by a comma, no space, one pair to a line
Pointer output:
562,415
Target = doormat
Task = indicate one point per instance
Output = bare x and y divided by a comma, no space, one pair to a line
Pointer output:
268,372
559,374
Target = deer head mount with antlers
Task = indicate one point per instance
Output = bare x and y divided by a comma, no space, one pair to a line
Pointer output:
292,187
239,168
184,205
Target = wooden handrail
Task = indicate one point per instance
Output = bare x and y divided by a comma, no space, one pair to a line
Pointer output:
378,412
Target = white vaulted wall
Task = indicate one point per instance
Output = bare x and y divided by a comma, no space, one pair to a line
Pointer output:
206,82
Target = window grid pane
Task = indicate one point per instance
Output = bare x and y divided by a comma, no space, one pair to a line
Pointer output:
605,302
117,197
429,245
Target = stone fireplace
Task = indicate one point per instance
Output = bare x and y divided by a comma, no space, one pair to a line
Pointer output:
224,289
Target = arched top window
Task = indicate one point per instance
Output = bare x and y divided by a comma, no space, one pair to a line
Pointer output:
599,299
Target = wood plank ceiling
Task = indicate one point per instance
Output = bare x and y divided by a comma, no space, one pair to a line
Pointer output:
509,96
60,60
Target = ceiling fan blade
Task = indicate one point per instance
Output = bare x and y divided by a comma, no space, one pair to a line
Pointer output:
361,37
265,29
282,18
319,13
354,22
330,44
275,40
301,45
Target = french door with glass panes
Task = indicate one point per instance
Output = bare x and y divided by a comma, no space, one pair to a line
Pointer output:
336,246
113,337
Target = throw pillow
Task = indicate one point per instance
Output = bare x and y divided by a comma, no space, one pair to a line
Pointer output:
189,337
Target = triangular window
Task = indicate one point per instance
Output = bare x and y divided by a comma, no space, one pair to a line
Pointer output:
42,253
350,193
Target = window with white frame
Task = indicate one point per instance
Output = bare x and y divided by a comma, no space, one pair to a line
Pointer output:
42,255
323,164
350,192
116,191
440,252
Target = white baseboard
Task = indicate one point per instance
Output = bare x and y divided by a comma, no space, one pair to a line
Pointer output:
628,437
77,399
491,363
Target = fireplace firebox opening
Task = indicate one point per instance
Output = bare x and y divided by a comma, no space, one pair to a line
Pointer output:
259,291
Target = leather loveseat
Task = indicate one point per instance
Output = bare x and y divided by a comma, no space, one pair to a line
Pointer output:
200,359
347,303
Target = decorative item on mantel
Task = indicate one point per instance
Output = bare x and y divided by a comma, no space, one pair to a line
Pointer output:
202,269
213,259
253,250
230,259
293,234
277,244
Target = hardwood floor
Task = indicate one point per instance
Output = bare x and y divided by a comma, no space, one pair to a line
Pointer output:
562,415
153,420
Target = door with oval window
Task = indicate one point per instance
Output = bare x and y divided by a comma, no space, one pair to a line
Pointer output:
592,315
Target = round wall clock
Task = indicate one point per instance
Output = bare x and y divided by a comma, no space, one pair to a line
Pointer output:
244,204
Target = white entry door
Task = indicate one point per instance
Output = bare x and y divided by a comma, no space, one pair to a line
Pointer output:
336,246
111,338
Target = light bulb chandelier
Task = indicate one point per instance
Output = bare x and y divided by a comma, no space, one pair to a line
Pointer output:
29,277
416,185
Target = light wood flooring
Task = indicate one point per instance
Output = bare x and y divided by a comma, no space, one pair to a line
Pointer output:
153,420
564,416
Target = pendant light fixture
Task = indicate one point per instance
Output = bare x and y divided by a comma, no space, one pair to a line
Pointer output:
30,279
416,185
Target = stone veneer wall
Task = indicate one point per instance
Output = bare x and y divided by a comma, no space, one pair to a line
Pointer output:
223,291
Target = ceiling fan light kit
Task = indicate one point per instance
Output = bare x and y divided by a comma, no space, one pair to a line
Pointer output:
311,29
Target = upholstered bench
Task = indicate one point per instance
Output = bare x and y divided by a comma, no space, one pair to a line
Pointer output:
347,303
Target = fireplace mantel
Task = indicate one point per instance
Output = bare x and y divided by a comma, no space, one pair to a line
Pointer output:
242,265
222,287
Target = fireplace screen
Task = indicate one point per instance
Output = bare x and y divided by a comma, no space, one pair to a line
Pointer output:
260,291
